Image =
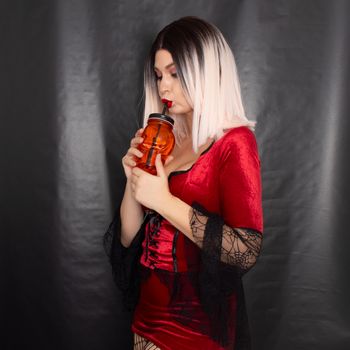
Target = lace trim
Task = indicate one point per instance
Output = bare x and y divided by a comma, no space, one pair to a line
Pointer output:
226,255
235,246
141,343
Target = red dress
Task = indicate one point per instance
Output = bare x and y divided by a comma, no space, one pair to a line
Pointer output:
225,180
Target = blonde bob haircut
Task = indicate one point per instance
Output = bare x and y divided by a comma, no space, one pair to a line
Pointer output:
208,76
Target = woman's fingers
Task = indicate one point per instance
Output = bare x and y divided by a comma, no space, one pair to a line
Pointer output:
136,141
130,161
129,158
139,132
135,151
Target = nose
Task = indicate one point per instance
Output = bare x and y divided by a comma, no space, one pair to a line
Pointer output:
164,85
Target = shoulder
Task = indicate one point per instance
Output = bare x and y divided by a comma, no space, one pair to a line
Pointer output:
237,142
241,134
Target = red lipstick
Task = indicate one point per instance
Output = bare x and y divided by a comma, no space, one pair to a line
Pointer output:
167,104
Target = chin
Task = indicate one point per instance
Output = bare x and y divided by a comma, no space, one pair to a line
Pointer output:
180,111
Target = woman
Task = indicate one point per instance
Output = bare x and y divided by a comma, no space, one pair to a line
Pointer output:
180,263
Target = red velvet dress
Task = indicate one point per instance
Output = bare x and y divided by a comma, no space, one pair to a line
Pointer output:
226,181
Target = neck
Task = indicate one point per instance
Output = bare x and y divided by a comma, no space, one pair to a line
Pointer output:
189,119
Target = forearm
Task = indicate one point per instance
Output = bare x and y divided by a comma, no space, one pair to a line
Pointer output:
237,246
131,215
177,212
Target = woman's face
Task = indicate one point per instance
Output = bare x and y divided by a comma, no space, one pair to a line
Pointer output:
168,83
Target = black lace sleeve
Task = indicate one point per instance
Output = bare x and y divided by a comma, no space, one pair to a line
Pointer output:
226,255
234,246
124,261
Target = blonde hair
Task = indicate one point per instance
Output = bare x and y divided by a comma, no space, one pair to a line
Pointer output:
208,75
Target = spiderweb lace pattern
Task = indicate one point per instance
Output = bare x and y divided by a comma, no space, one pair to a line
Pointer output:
226,255
236,246
141,343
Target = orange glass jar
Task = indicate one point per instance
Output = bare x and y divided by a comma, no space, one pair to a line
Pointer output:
158,137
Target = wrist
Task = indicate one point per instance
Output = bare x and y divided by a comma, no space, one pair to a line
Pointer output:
166,204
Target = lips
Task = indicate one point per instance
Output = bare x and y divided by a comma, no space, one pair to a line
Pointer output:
167,102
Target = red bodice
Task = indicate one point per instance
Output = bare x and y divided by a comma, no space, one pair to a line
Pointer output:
166,248
225,179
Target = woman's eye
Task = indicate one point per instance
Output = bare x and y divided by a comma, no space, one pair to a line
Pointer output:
174,75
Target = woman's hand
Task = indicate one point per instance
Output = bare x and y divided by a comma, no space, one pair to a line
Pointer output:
128,160
152,191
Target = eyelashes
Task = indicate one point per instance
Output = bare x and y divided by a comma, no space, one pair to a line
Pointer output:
174,75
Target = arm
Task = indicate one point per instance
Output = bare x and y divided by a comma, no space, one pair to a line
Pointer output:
124,258
131,215
238,246
235,236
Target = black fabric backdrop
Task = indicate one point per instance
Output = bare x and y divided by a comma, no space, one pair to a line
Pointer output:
71,88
